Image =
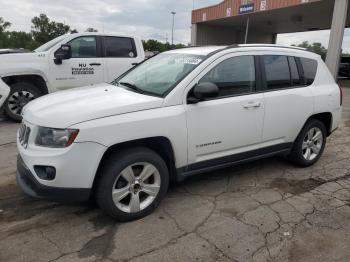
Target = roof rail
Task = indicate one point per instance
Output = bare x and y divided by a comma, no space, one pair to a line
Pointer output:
267,45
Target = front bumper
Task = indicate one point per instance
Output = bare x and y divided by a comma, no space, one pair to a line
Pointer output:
31,186
4,92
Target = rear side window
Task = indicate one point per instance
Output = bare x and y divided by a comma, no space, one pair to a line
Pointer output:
277,71
309,68
234,76
119,47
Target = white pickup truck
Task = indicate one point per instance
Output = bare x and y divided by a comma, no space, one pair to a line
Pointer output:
65,62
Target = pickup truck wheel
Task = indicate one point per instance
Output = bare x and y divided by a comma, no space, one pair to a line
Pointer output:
310,144
133,182
21,94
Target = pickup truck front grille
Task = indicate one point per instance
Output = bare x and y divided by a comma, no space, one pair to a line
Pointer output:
23,135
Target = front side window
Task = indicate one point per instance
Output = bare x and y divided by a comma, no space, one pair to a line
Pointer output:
309,68
159,74
234,76
84,47
119,47
277,71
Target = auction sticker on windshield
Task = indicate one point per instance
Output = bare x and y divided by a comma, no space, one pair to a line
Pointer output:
188,60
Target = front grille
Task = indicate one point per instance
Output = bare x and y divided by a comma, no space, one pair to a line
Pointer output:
23,135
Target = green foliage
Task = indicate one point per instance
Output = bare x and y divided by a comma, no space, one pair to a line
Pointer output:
154,45
4,25
90,29
17,40
317,48
44,30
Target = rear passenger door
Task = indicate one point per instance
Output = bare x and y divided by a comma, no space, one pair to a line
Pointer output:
120,54
288,99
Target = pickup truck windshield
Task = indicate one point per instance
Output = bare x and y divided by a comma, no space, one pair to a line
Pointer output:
48,45
161,73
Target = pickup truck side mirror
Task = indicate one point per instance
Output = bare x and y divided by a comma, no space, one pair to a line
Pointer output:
203,91
64,52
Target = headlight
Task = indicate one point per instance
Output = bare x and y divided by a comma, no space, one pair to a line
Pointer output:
54,137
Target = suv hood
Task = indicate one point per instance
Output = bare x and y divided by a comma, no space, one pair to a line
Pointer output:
66,108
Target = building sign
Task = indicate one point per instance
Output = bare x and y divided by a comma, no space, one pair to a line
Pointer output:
263,5
246,8
204,17
228,11
304,1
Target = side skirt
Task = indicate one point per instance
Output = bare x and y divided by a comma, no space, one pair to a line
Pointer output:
218,163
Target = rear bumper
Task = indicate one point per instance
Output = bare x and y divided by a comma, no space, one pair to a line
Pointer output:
30,186
4,92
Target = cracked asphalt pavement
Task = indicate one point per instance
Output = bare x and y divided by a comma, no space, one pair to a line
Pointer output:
267,210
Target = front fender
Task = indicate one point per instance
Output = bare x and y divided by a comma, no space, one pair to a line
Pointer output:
4,92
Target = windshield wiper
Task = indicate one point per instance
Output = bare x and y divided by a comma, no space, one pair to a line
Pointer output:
131,86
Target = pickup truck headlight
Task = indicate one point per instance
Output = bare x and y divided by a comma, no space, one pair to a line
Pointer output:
54,137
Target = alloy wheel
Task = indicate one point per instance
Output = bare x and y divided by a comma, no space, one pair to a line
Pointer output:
136,187
312,143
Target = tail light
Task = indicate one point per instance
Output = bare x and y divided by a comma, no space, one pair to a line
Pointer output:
341,96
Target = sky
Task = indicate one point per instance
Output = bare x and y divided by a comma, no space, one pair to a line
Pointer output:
149,19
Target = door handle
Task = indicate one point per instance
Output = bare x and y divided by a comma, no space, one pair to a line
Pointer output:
252,105
95,64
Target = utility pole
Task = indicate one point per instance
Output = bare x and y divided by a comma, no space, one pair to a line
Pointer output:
246,30
172,29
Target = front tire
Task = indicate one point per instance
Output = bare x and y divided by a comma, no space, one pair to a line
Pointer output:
21,94
310,144
132,184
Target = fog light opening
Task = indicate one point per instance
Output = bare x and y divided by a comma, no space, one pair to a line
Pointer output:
45,172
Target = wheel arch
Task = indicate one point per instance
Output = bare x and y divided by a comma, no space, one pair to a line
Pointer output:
35,79
161,145
326,118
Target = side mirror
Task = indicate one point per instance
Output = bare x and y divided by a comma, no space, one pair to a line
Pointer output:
203,91
64,52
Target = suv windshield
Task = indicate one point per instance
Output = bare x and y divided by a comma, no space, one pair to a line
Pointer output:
48,45
161,73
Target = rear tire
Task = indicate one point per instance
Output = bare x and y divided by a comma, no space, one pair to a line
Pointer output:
21,93
310,144
132,183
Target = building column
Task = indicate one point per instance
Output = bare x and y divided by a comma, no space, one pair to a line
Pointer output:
336,35
194,35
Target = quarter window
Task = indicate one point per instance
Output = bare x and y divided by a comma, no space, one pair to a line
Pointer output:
119,47
310,68
277,72
83,47
234,76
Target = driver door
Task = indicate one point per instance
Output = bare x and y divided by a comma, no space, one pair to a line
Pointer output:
85,67
230,124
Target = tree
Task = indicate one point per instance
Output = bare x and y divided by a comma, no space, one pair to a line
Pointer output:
90,29
317,48
44,30
155,45
4,25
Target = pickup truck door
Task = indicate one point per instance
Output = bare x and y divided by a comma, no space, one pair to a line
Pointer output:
224,127
119,55
85,67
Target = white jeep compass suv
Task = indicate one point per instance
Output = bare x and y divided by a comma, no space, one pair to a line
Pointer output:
177,114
